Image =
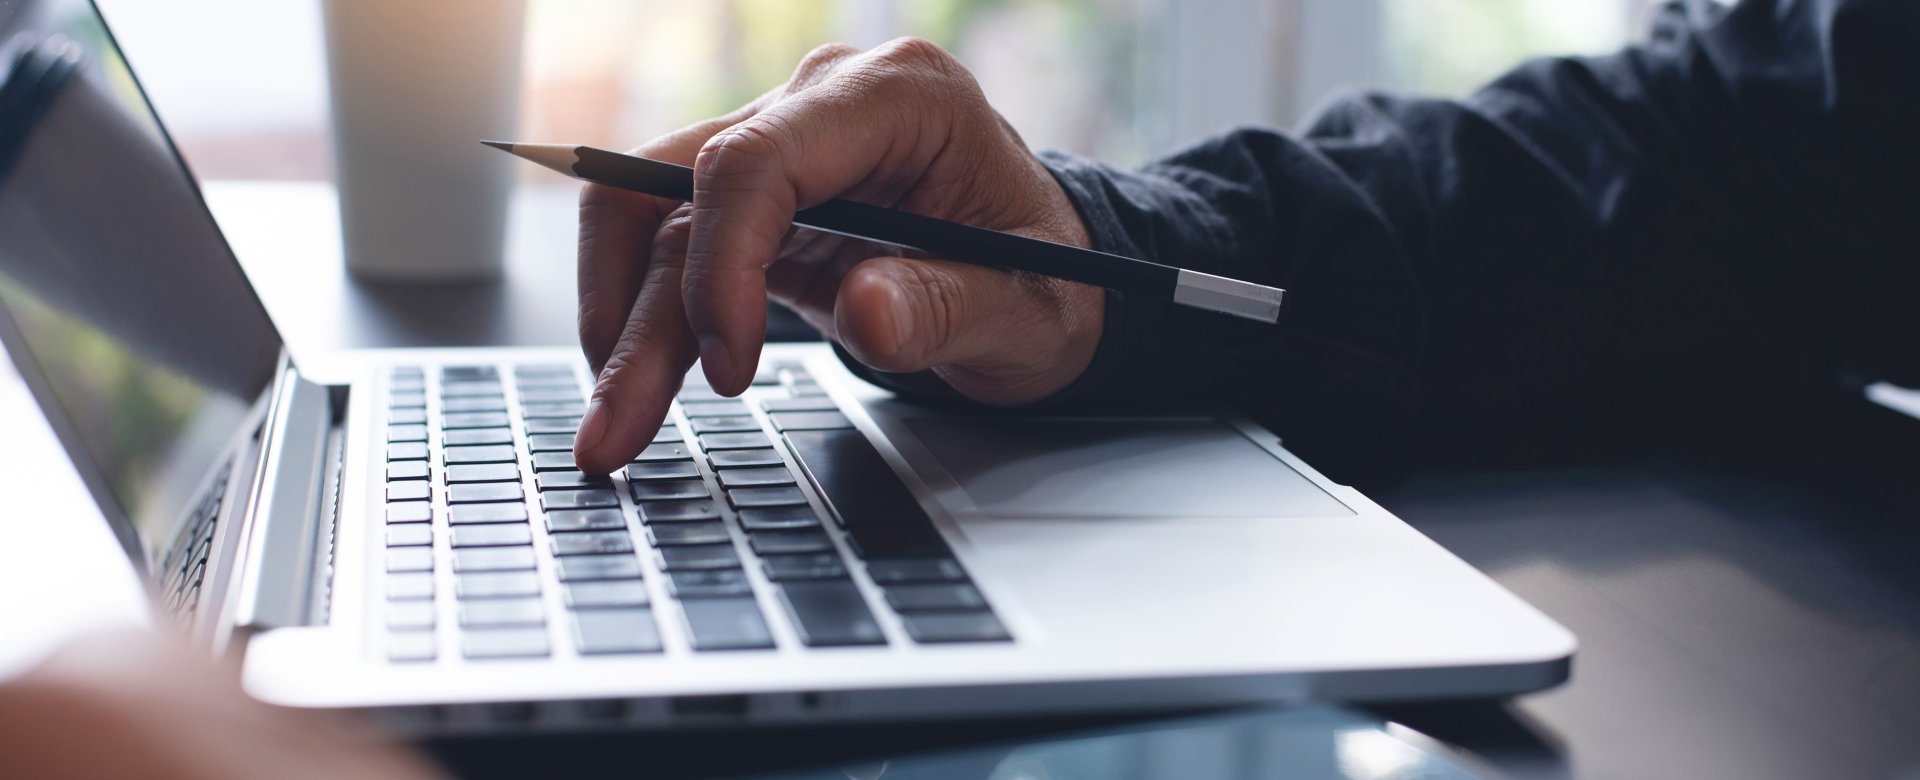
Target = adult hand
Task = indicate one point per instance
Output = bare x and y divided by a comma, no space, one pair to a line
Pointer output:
134,706
903,125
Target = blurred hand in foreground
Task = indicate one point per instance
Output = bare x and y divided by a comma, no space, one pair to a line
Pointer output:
133,705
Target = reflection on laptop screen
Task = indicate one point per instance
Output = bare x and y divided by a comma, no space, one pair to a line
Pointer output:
123,305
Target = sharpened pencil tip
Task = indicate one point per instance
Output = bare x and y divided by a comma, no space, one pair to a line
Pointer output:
501,145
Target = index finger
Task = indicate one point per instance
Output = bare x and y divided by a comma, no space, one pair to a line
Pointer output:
616,235
751,178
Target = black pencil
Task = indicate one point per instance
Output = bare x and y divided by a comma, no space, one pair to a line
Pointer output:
940,238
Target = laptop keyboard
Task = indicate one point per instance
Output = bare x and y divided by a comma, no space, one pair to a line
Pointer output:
184,567
487,514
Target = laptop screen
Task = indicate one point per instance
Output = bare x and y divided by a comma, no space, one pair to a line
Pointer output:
119,299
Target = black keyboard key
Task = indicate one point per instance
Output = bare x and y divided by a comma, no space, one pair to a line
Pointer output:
570,480
407,416
789,542
575,568
904,542
935,597
491,535
679,534
492,613
550,394
553,425
694,395
568,520
412,585
830,613
493,403
474,420
716,424
504,643
467,373
810,421
411,490
678,511
816,566
944,627
483,472
592,543
410,512
857,484
707,556
467,437
550,442
592,498
664,452
709,584
666,469
497,584
726,459
397,433
407,469
572,409
778,518
462,514
890,571
407,400
483,492
723,408
766,496
412,450
802,404
668,490
493,453
410,535
469,388
405,615
492,559
762,476
531,370
735,441
606,593
613,631
725,624
668,434
553,461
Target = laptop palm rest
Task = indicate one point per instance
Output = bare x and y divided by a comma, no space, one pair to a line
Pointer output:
1117,468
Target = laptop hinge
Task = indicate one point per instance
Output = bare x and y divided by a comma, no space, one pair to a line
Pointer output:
290,525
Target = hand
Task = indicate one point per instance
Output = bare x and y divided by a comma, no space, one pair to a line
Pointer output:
132,706
904,126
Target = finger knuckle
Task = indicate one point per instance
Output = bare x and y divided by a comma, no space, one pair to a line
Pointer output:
820,63
916,52
747,151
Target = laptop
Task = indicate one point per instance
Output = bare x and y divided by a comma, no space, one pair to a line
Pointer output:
403,532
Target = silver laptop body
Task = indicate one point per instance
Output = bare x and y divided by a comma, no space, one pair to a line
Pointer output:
401,531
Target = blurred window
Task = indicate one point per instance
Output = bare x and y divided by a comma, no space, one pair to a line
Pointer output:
242,83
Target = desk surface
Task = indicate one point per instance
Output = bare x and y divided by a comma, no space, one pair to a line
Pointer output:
1753,619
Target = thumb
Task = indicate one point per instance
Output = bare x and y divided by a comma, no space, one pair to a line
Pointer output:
995,336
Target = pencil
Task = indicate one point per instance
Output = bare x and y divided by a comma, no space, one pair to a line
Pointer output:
936,237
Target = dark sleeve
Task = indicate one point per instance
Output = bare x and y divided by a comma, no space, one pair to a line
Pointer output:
1567,258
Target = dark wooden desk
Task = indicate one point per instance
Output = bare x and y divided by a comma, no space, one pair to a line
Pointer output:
1751,617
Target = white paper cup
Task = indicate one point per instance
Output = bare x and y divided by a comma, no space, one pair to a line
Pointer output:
415,86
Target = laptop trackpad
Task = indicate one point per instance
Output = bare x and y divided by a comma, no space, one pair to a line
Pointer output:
1060,468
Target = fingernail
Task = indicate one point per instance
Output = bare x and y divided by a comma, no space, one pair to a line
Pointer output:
717,361
593,427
